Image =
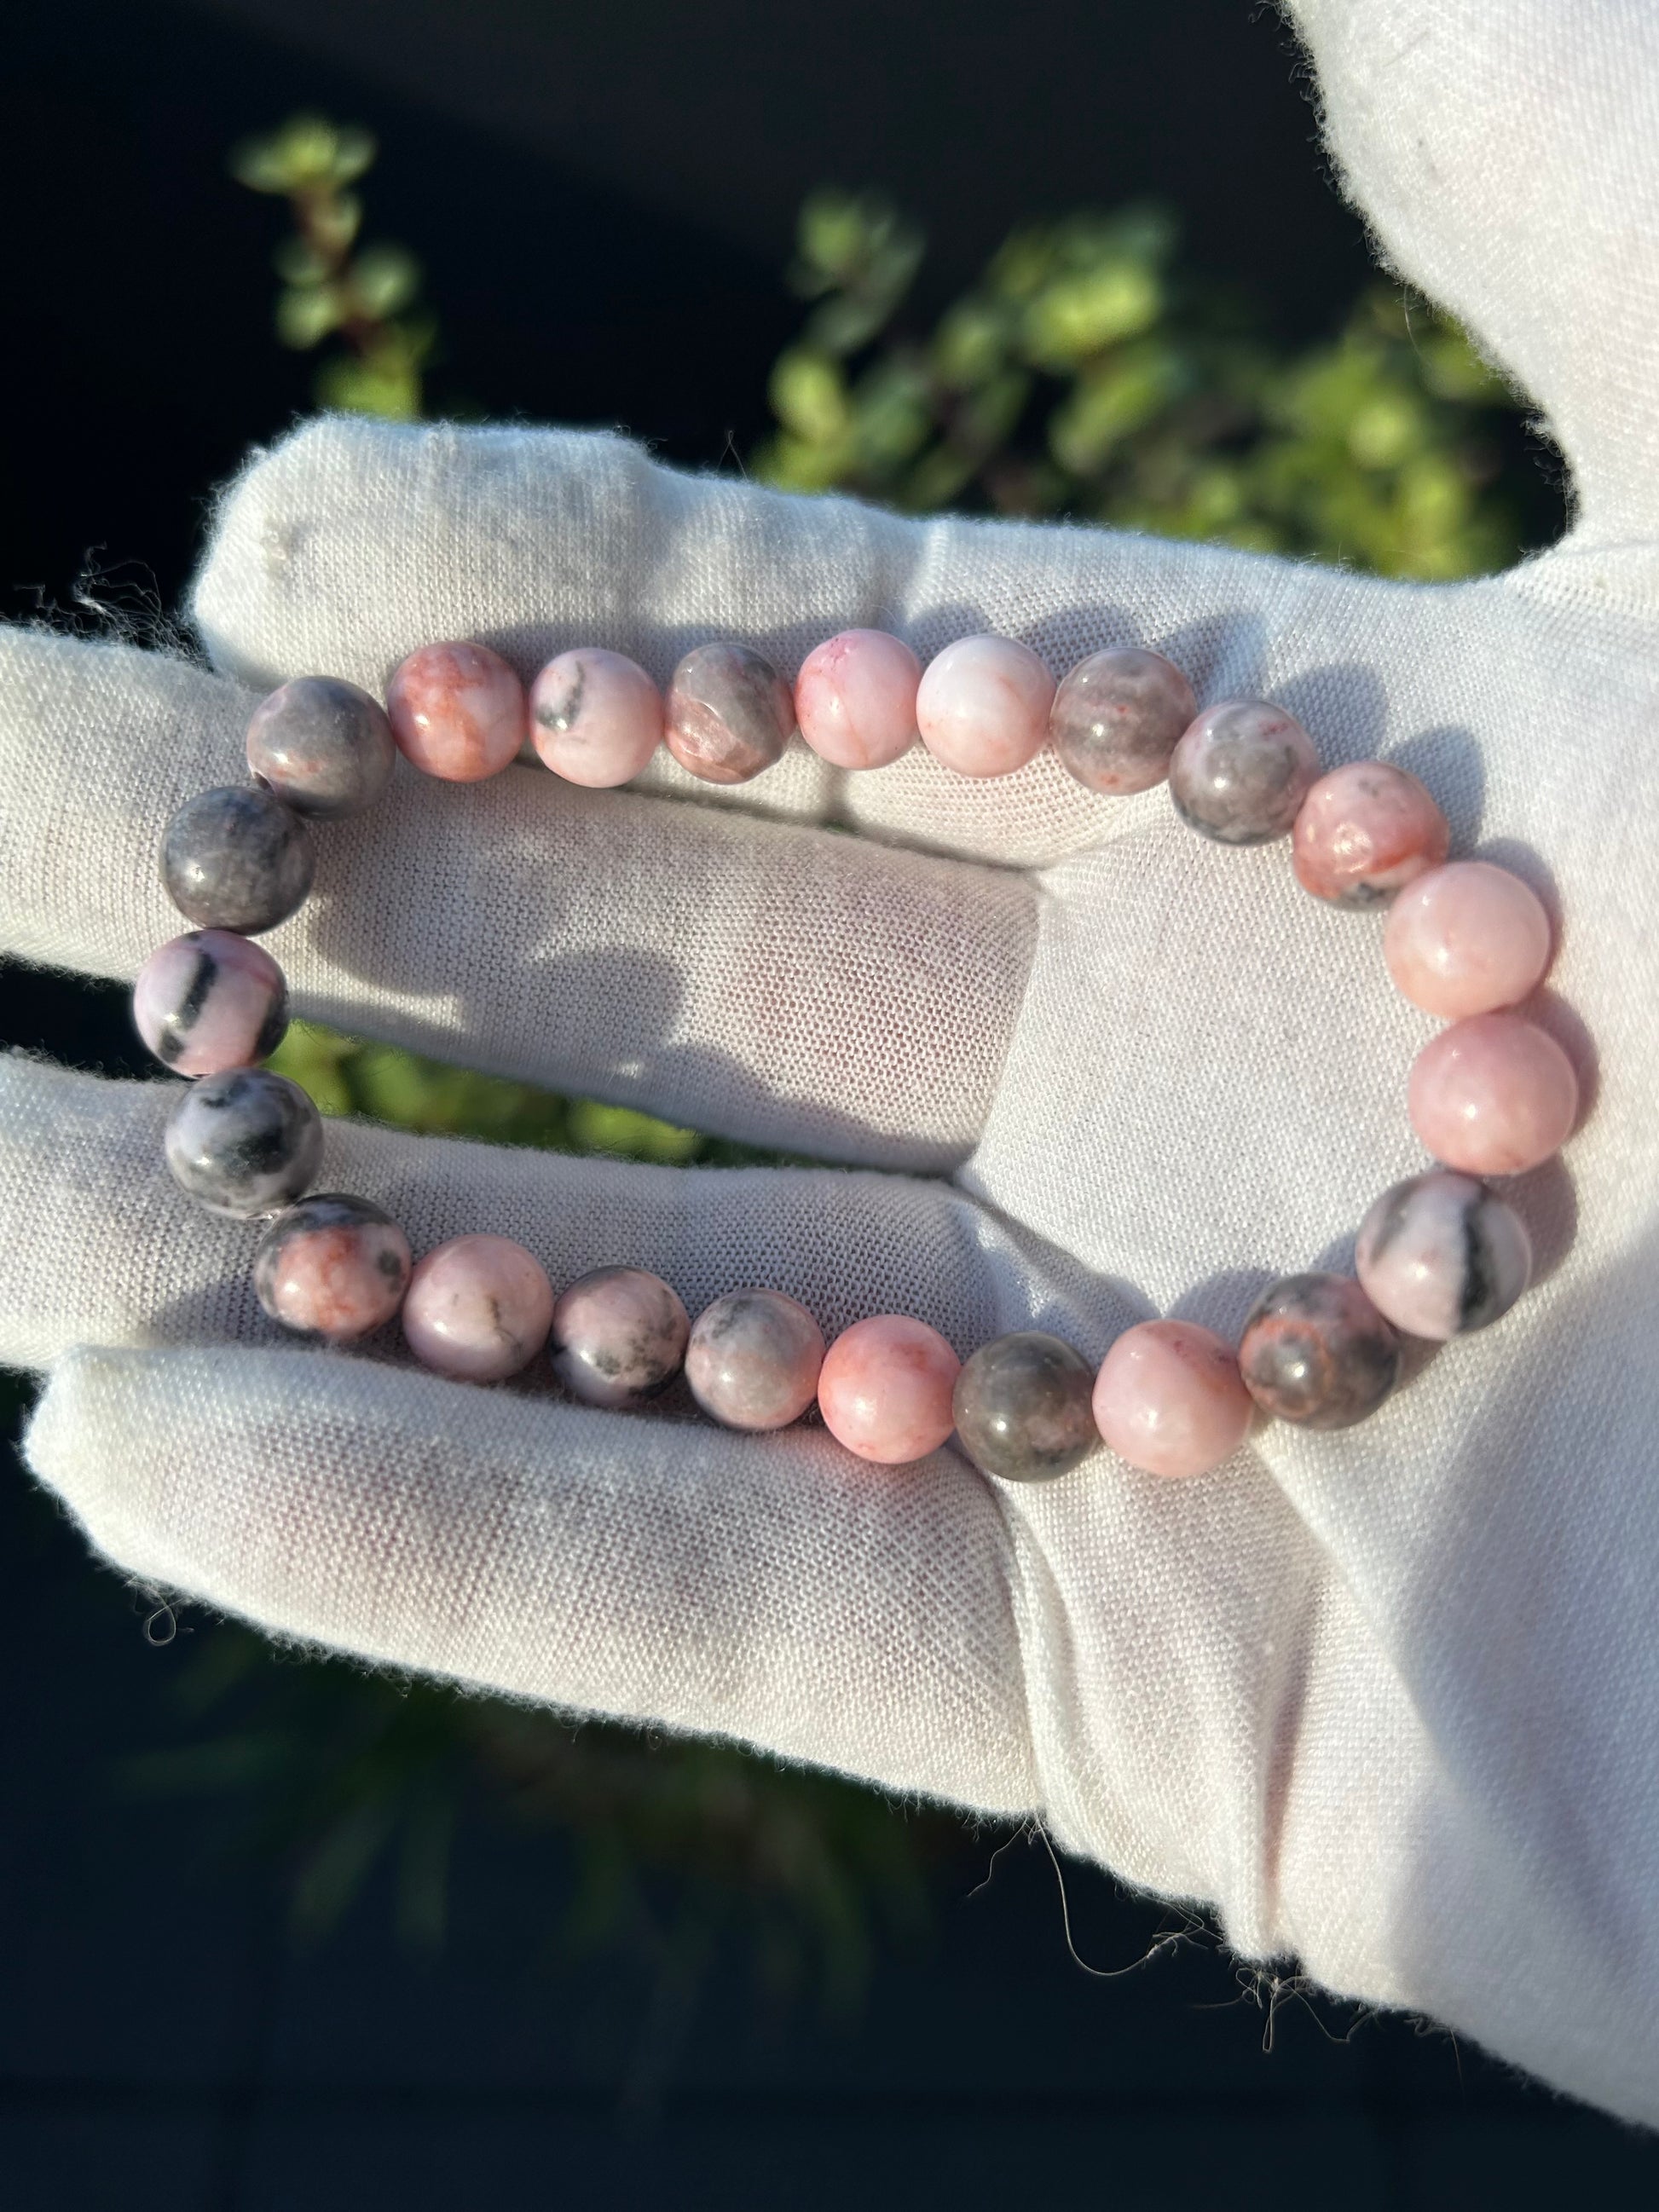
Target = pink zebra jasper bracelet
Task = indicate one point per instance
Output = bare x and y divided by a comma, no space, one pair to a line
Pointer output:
1437,1255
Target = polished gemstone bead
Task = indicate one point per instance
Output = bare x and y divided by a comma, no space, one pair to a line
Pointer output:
595,717
1467,939
235,858
1117,717
1493,1095
729,713
884,1391
1317,1352
477,1308
1440,1255
322,746
1022,1406
1240,772
457,711
1170,1399
983,705
619,1336
332,1266
855,698
753,1359
1365,832
244,1142
209,1001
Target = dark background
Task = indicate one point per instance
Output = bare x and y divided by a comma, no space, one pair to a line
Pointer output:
603,200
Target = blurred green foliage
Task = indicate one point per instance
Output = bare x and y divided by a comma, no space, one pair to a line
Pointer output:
669,1845
1086,373
365,297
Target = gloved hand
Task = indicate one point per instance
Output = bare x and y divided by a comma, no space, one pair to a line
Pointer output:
1388,1699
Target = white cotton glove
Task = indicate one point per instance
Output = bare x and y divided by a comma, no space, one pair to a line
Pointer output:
1388,1699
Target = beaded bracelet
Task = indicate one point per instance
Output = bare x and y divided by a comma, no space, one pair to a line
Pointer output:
1437,1255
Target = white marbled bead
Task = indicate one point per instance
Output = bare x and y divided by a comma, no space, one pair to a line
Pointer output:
1440,1255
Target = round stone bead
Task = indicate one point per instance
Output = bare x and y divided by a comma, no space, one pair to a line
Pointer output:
1317,1352
1467,939
753,1359
244,1142
322,746
1440,1255
1365,832
1240,772
457,711
477,1308
1493,1096
619,1336
1022,1406
855,699
332,1268
595,717
729,713
1117,719
1170,1399
235,858
209,1001
884,1391
983,705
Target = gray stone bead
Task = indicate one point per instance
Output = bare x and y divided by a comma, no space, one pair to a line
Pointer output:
1117,719
322,746
235,858
1022,1406
244,1143
729,713
1439,1255
1242,771
1317,1352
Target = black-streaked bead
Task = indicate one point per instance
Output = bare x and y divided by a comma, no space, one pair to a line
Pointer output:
209,1001
1439,1255
235,858
244,1142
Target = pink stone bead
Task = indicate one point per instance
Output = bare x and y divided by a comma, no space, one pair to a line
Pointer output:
753,1359
618,1336
1493,1095
855,698
595,717
1365,832
885,1389
457,711
983,705
209,1001
332,1266
1170,1399
1467,939
478,1308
